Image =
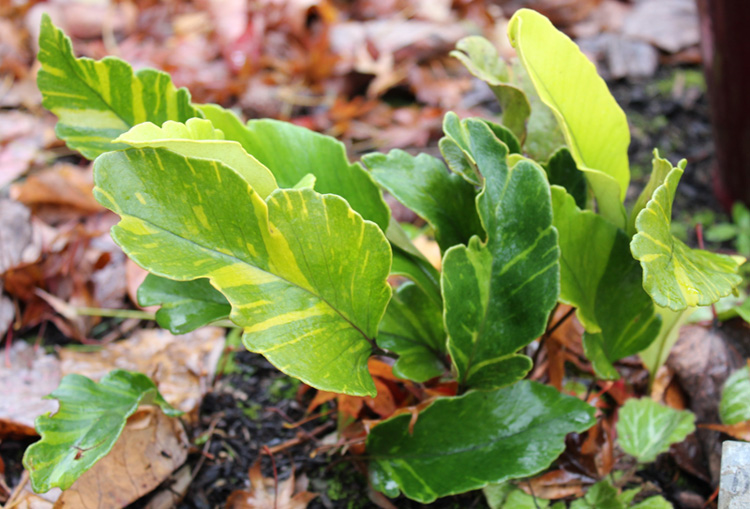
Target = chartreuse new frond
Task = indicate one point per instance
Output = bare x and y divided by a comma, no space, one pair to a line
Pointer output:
96,101
198,138
675,275
595,127
89,421
304,273
499,293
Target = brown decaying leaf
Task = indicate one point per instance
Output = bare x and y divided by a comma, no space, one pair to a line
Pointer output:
150,448
740,431
29,376
62,185
556,484
181,366
264,493
20,241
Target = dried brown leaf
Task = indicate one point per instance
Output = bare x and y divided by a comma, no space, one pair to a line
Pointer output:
150,448
29,376
265,494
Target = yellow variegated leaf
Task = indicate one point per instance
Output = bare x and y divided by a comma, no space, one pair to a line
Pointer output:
304,273
675,275
96,101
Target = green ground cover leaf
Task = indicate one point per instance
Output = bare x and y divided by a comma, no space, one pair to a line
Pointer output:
595,127
304,273
292,152
480,57
424,185
734,406
198,138
602,495
413,328
600,278
675,275
486,437
499,293
185,305
655,502
646,428
89,421
508,496
96,101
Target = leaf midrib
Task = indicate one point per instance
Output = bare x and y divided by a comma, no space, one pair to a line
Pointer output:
245,262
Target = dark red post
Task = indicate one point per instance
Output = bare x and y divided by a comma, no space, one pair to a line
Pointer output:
725,44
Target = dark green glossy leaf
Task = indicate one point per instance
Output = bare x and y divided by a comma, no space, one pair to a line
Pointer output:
96,101
413,328
562,171
89,421
735,398
505,135
646,428
292,152
482,60
675,275
456,151
272,259
464,443
185,305
600,278
498,294
424,185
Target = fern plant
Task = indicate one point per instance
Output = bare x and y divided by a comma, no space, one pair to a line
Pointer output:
271,226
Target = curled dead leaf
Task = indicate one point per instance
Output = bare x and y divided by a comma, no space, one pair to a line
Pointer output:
264,493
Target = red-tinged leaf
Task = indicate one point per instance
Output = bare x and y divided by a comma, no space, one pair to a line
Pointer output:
383,404
350,406
443,389
381,369
556,363
320,398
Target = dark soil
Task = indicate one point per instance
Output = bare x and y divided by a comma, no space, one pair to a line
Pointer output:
250,408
